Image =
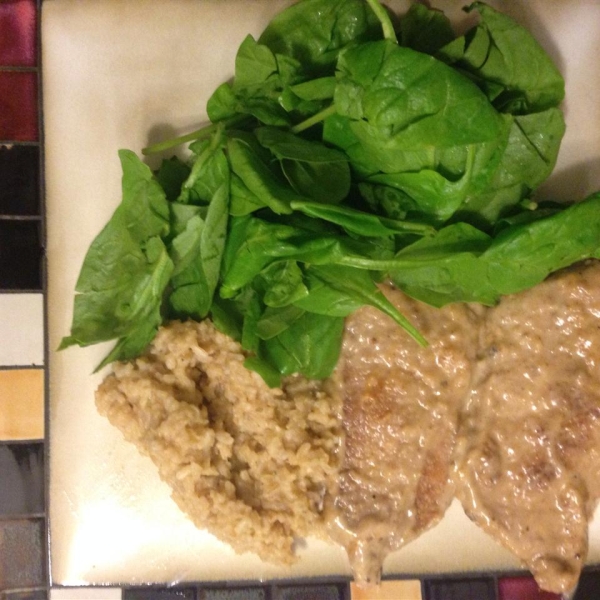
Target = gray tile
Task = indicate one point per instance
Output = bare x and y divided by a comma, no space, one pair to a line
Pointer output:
22,476
147,593
253,593
22,553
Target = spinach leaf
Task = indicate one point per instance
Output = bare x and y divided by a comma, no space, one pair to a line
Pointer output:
509,65
310,345
425,29
446,268
525,254
284,284
126,269
527,160
358,284
315,31
274,321
361,223
197,255
247,163
259,80
210,168
311,168
171,175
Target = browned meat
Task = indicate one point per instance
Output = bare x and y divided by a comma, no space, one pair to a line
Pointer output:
401,404
529,438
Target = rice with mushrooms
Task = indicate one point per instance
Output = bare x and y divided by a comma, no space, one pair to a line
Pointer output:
251,464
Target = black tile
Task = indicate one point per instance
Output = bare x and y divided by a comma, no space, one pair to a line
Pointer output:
589,586
22,477
19,174
146,593
461,589
31,595
308,592
20,255
22,554
253,593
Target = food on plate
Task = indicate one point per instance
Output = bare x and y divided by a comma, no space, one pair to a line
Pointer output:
501,410
251,464
401,408
344,151
354,147
528,471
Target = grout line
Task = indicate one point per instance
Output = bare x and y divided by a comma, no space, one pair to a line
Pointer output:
22,367
12,143
5,217
9,69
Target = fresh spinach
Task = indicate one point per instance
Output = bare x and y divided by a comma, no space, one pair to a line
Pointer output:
344,151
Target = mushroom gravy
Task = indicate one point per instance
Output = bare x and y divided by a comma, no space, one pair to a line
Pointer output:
502,410
529,436
401,407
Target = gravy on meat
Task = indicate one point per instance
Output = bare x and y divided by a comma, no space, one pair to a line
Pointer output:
529,437
401,405
509,395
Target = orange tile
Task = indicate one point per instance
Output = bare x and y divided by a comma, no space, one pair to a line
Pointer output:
21,404
388,590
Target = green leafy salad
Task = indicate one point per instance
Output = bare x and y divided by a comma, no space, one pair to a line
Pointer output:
352,146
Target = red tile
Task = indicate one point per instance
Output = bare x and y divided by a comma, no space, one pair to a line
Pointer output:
522,588
18,33
18,106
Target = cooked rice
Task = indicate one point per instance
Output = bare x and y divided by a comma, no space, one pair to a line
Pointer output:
252,465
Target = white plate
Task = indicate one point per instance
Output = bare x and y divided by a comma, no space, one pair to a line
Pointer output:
122,74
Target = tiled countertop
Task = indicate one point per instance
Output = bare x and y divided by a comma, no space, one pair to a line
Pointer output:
24,572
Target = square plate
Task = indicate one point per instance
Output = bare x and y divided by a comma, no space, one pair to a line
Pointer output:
123,74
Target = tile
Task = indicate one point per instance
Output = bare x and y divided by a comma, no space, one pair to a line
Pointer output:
307,592
18,106
21,404
522,588
147,593
18,24
460,589
40,594
388,590
19,173
589,586
254,593
87,593
22,476
21,330
20,253
22,553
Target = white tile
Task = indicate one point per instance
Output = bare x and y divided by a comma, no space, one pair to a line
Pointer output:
85,594
21,329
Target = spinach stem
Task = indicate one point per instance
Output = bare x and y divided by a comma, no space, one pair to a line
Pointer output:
316,118
199,134
384,18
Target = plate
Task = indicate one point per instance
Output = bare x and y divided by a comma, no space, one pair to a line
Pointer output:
123,74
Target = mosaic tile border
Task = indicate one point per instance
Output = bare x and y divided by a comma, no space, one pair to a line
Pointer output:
24,564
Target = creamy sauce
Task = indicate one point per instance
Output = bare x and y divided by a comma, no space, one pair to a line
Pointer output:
501,410
401,405
529,437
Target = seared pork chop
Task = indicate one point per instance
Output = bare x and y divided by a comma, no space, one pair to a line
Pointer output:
401,404
529,438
